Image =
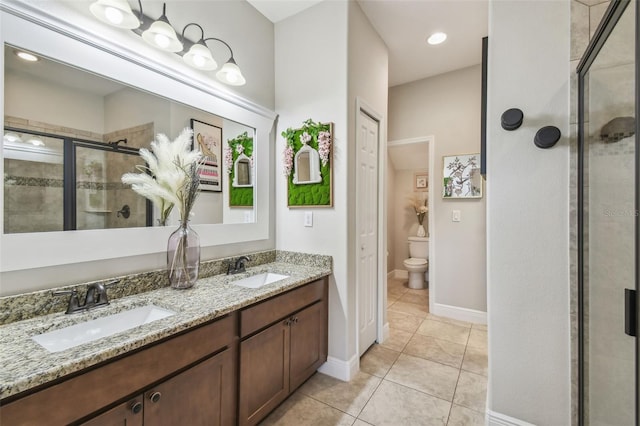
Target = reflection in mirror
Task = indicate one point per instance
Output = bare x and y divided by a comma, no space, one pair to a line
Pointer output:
306,166
69,136
242,172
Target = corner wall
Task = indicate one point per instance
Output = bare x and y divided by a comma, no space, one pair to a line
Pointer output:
345,60
527,220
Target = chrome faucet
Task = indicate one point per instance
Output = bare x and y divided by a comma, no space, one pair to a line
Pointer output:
239,265
96,296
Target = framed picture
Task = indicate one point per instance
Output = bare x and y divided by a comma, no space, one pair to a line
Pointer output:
421,181
462,177
207,138
308,161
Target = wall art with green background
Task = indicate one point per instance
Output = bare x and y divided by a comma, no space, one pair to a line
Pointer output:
307,159
242,144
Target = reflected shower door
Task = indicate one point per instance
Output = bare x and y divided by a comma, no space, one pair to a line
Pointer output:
102,200
609,221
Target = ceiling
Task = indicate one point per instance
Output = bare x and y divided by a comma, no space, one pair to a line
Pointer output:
404,26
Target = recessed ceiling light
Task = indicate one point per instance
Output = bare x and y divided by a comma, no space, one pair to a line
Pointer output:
436,38
30,57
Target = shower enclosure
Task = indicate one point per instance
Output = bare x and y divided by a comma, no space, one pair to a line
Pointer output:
608,222
56,183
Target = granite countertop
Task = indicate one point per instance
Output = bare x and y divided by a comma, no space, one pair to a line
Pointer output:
26,364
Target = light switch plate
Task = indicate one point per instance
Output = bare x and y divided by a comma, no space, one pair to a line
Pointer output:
455,215
308,218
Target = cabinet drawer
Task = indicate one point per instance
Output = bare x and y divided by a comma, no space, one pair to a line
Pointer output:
264,313
88,392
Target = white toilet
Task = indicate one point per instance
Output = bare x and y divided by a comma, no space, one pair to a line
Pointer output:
418,262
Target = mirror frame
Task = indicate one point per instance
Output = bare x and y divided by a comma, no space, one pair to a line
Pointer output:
33,29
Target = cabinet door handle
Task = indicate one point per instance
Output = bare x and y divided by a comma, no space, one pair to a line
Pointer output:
287,322
136,407
155,397
295,320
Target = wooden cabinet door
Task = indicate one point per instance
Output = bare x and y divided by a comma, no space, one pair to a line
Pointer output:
308,343
264,372
203,395
128,413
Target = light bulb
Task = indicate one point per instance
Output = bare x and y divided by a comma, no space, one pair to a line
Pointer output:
27,56
199,61
162,40
436,38
114,15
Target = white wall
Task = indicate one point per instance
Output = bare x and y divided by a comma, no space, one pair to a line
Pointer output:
330,69
447,106
33,98
305,88
528,209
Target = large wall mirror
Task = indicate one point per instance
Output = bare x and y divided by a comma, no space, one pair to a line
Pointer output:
69,135
66,119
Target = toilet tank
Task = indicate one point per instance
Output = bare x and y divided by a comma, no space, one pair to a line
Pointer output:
419,247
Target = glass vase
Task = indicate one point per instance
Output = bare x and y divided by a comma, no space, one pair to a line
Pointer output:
183,257
421,231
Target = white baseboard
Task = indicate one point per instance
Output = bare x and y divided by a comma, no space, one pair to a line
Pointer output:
339,369
461,314
391,275
499,419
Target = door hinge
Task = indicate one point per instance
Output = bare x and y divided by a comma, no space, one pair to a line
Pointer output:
630,312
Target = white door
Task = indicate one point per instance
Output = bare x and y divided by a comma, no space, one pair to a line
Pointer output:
367,225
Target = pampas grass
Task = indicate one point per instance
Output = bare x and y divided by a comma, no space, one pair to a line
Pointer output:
170,177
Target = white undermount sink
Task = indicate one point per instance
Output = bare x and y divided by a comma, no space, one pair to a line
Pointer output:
257,281
89,331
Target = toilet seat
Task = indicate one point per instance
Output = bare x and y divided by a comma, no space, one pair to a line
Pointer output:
415,262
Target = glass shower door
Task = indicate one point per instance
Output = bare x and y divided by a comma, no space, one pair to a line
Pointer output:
609,231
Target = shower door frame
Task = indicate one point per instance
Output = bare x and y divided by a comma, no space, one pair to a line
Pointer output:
606,26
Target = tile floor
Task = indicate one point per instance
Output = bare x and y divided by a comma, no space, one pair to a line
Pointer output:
431,371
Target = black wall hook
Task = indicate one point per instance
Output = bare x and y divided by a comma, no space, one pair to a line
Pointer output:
547,137
511,119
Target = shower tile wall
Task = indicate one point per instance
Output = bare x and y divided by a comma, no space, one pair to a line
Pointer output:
585,17
119,195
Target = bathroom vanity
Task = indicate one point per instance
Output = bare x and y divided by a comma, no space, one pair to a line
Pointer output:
229,355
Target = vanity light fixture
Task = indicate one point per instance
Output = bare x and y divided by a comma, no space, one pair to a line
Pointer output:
199,56
35,141
12,137
26,56
436,38
115,12
160,34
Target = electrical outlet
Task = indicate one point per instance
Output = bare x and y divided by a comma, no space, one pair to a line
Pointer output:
308,219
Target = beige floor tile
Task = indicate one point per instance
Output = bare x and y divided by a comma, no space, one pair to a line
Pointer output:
391,299
410,308
301,410
478,339
442,330
349,397
438,350
475,360
361,423
397,340
402,321
426,376
378,360
482,327
396,293
395,405
471,391
449,320
462,416
417,298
